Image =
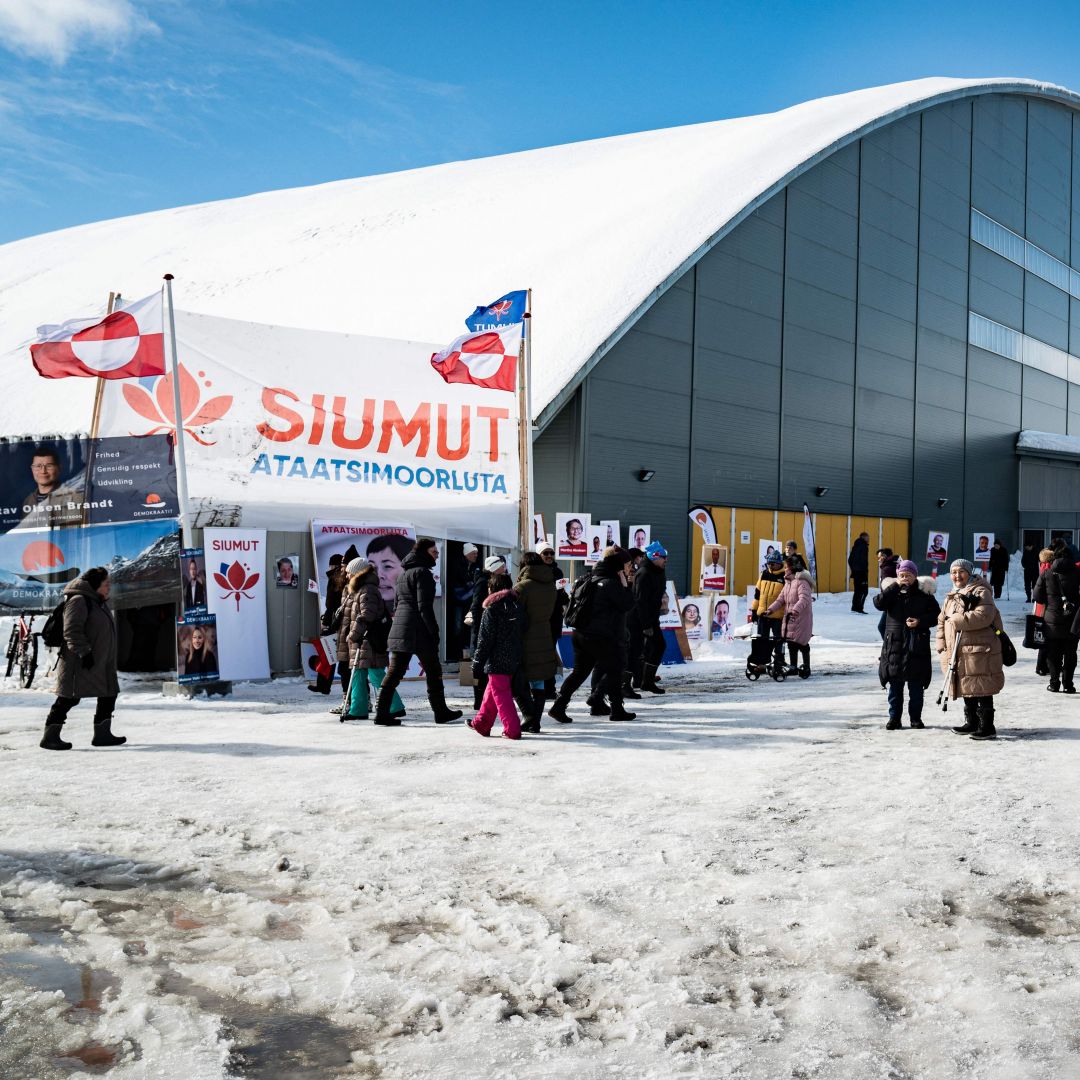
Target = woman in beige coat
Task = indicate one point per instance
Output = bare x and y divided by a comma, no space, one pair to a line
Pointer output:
979,673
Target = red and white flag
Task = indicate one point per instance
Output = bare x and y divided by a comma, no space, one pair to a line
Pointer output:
486,359
127,344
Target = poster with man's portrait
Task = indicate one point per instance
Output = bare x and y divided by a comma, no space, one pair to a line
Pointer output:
287,571
937,546
193,581
694,613
983,542
571,540
725,618
713,577
611,533
766,548
594,542
639,536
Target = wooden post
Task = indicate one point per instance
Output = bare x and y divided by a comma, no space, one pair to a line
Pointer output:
95,420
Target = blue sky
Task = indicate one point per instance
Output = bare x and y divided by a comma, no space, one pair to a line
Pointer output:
112,107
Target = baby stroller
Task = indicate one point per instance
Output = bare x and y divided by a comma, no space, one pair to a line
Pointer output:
766,658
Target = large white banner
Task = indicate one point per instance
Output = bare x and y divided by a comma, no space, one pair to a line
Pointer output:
283,425
236,594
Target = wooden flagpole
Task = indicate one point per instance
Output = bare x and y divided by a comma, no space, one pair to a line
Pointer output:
95,420
178,425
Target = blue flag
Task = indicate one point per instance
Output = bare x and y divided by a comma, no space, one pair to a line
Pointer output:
504,312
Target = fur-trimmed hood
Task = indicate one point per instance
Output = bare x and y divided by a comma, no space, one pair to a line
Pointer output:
802,575
495,597
926,583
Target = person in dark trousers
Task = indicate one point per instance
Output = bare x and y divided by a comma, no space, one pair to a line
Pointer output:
859,564
650,583
999,567
770,585
547,554
415,632
635,643
536,592
499,651
599,641
1029,563
1059,589
911,612
87,663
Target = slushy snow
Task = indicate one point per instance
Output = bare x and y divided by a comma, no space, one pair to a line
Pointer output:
753,880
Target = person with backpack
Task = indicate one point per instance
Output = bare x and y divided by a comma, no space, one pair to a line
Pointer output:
597,614
415,632
1059,590
499,653
911,610
367,638
87,663
650,584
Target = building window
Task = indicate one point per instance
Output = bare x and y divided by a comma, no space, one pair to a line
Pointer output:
986,334
1016,249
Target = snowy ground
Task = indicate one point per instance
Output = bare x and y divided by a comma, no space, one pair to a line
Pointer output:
755,880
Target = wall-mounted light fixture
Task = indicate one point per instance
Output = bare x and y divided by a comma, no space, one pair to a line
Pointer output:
645,475
942,503
821,491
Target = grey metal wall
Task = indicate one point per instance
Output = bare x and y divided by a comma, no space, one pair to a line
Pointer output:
824,342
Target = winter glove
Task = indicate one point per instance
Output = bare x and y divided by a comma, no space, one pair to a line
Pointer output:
88,661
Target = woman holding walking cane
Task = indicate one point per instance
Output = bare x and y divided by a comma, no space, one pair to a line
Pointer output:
970,650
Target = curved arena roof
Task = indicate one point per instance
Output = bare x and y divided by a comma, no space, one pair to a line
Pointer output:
597,229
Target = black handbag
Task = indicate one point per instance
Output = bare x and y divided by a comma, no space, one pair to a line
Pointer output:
1008,649
1034,632
377,634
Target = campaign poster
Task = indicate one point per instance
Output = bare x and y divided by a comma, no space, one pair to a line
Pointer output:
193,581
317,657
55,483
669,607
983,542
236,593
611,533
713,577
694,614
336,543
196,649
594,542
639,536
725,618
937,546
570,536
539,531
141,556
287,571
766,548
703,519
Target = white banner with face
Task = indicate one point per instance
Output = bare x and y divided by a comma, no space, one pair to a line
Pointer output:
281,425
236,594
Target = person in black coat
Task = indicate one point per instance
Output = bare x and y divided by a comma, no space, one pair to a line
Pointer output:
859,564
1059,589
650,583
415,632
1029,563
600,640
911,611
999,567
499,653
547,554
493,564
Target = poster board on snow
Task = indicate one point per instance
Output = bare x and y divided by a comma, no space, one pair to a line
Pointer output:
236,562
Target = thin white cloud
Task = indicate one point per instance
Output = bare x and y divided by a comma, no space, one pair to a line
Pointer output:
54,29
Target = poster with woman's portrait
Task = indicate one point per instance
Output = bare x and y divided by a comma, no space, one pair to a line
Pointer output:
713,576
669,607
337,543
937,546
725,617
196,649
287,571
571,541
639,536
766,548
694,613
983,541
594,542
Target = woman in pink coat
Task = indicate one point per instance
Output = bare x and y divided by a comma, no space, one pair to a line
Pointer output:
797,628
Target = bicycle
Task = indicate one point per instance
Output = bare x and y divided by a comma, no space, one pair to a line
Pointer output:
22,650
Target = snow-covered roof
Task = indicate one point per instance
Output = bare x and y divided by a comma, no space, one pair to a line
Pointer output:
1048,444
597,229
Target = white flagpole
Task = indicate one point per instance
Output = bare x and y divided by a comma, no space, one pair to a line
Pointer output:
530,508
178,420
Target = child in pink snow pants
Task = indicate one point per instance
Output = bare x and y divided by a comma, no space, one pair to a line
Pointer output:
499,653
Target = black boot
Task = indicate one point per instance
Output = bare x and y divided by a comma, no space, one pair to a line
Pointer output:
648,680
103,735
550,693
893,724
986,722
532,717
971,720
618,712
446,715
558,710
51,739
597,705
628,690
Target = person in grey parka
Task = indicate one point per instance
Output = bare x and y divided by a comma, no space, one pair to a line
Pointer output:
87,665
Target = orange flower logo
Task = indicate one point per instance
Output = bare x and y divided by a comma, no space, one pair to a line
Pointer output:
158,409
